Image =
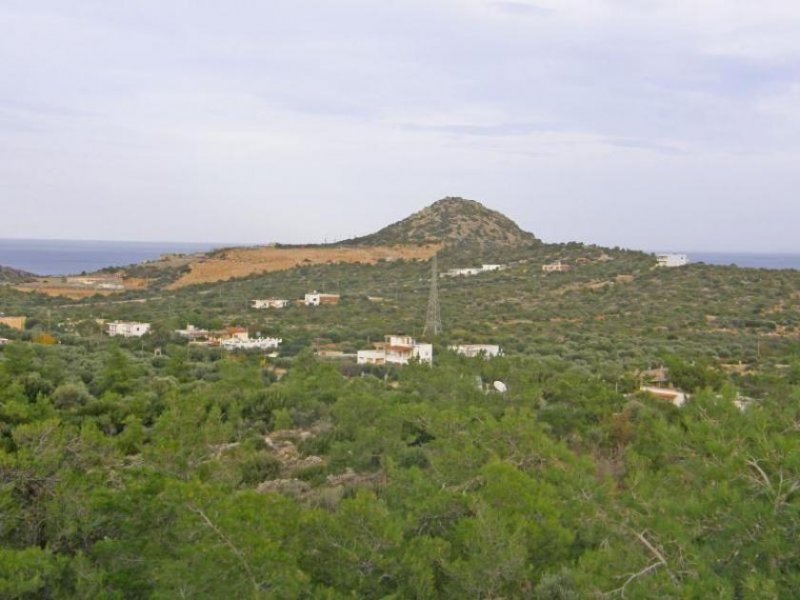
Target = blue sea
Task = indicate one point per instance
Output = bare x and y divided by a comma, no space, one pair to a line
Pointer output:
70,257
747,260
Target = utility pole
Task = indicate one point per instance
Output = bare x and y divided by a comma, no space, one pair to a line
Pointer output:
433,318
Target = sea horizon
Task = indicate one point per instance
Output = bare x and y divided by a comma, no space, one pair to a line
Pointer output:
744,259
58,257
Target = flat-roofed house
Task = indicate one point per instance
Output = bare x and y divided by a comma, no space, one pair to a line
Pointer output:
672,260
261,343
475,350
127,328
397,350
192,333
371,357
269,303
317,299
463,272
400,349
556,267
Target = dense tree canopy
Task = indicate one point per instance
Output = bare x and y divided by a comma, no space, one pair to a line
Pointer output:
190,472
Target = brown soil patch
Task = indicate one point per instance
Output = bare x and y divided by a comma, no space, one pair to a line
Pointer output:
64,292
55,287
242,262
135,283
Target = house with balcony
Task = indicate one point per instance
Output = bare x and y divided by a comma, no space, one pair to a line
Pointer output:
397,350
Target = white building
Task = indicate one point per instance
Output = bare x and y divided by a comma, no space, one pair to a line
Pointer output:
398,350
371,357
269,303
191,332
672,260
556,267
466,272
475,350
470,271
239,343
317,299
4,341
127,328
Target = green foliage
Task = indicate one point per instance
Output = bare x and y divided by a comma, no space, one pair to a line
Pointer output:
199,473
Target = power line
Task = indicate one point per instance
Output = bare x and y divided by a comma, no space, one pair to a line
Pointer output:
433,318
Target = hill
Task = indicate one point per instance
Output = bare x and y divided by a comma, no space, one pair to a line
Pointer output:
10,275
451,221
461,229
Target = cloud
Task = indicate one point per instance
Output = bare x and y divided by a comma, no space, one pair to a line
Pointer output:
521,8
493,130
644,145
287,109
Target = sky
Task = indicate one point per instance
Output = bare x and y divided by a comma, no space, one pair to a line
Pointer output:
668,125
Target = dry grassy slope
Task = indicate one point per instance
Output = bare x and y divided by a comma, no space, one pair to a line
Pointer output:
447,222
450,221
55,287
242,262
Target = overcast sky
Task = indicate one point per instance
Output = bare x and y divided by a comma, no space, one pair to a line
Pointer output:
651,124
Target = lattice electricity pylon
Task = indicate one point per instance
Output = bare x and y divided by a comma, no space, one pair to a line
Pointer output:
433,318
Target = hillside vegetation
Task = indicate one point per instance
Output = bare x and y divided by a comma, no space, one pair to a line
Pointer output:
451,221
148,467
243,262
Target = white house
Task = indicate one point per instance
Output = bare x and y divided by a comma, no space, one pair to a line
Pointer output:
470,271
127,328
466,272
556,267
4,341
192,333
239,343
672,260
238,338
474,350
398,350
317,299
371,357
269,303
